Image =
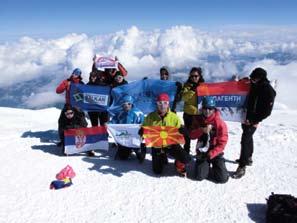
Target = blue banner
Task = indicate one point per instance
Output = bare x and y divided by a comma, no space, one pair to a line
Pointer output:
90,97
144,93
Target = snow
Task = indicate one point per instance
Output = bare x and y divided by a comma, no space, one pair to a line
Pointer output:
108,190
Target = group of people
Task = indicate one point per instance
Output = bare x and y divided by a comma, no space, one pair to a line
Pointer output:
207,125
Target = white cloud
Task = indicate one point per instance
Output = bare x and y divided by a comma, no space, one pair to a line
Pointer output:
220,54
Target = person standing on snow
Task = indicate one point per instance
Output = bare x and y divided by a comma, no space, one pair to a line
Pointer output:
164,117
65,84
191,102
212,135
71,118
118,80
129,115
259,106
164,75
98,79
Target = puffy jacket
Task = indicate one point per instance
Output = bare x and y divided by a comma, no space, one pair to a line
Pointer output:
218,134
190,98
154,119
65,86
134,116
77,121
260,101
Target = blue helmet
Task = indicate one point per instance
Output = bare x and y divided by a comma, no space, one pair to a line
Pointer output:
208,102
76,71
127,98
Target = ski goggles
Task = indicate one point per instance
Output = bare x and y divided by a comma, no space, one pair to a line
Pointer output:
162,102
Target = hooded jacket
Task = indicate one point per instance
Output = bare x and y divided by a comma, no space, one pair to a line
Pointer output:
218,134
133,116
260,101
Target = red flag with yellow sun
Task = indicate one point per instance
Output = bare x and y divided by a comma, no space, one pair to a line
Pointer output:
162,136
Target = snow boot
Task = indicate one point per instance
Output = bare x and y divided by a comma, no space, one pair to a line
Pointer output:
240,172
90,153
123,153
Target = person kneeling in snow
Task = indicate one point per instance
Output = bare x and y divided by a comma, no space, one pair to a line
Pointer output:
212,135
164,117
129,115
71,118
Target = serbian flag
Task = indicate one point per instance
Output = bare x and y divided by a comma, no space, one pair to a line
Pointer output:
86,139
230,98
161,136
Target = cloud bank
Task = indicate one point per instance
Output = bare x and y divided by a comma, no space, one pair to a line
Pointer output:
32,68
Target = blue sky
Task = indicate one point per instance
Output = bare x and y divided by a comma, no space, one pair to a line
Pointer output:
54,18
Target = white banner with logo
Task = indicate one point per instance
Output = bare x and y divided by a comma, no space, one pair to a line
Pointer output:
125,134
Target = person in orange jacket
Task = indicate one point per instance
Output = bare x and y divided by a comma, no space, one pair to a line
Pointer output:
65,84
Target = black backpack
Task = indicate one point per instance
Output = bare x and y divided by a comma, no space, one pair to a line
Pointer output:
281,208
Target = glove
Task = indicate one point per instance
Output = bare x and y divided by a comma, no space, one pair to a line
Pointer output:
181,130
140,131
194,86
144,78
178,86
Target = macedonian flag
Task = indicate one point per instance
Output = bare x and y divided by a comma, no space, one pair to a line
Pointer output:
161,136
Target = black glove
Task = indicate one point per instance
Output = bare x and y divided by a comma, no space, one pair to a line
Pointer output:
194,86
140,131
181,130
178,86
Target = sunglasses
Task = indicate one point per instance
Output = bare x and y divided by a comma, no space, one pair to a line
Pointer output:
127,103
208,108
68,113
195,76
162,102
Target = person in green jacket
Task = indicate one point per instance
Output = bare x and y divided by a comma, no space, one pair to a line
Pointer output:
190,99
164,117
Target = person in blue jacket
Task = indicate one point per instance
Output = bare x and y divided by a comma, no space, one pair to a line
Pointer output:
129,115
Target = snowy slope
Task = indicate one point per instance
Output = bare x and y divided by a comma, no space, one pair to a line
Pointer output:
108,190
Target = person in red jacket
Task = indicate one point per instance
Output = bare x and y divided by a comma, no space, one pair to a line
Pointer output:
65,84
212,135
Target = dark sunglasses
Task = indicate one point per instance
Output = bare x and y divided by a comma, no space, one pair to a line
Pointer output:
68,113
208,108
194,76
127,103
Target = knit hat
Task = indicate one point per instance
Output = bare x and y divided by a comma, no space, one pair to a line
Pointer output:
163,97
258,73
76,71
208,102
